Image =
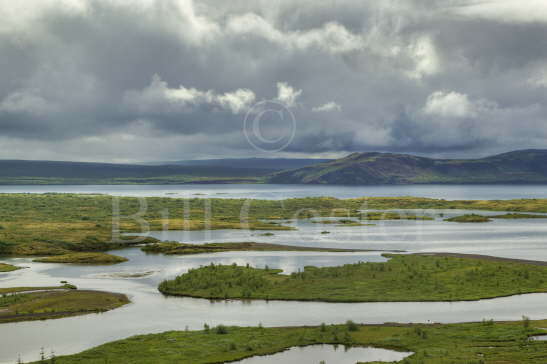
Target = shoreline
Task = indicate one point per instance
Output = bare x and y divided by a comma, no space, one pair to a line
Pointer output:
484,257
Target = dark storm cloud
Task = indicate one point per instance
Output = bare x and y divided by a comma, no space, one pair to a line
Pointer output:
95,79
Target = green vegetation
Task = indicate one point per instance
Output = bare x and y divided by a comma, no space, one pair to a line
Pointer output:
341,222
183,249
402,278
83,258
8,267
519,216
28,289
469,218
471,343
55,224
481,218
50,302
389,215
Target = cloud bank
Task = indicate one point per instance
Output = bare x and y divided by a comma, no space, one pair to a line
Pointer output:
118,80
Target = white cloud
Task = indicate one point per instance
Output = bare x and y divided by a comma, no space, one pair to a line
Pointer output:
449,104
287,94
426,60
331,37
25,102
238,100
529,11
158,97
539,78
329,106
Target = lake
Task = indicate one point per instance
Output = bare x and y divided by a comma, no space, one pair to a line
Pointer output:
327,354
271,191
151,312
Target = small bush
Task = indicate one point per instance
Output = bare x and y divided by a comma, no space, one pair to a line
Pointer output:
352,326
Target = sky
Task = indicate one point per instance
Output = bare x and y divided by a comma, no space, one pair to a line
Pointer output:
130,81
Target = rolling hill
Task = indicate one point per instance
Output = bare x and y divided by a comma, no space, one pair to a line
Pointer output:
60,172
524,166
259,163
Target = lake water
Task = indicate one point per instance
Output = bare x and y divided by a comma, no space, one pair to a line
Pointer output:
151,312
329,354
521,239
269,191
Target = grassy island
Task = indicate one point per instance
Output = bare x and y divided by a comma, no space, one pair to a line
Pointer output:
8,267
474,343
83,258
481,218
40,303
402,278
515,215
54,224
469,218
183,249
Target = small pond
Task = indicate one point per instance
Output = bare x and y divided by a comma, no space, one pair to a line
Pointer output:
315,354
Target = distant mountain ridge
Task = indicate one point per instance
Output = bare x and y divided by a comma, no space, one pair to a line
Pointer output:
370,168
374,168
61,172
261,163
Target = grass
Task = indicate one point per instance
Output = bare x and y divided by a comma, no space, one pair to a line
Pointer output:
9,290
470,343
184,249
47,304
83,258
402,278
469,218
519,216
481,218
341,222
55,224
8,267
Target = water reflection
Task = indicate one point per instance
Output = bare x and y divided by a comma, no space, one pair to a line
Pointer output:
269,191
328,354
151,312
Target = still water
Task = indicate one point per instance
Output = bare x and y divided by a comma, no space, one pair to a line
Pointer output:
268,191
314,354
150,312
520,239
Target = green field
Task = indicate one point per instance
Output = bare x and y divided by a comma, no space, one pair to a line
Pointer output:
402,278
83,258
469,218
54,302
54,224
8,267
183,249
471,343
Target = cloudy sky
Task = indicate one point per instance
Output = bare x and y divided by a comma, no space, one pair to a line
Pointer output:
123,81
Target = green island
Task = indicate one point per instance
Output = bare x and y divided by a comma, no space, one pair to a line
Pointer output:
401,278
341,222
4,267
56,224
514,215
40,303
469,218
9,290
183,249
481,218
83,258
469,343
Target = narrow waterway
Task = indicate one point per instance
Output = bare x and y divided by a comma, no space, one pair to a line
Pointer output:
150,312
